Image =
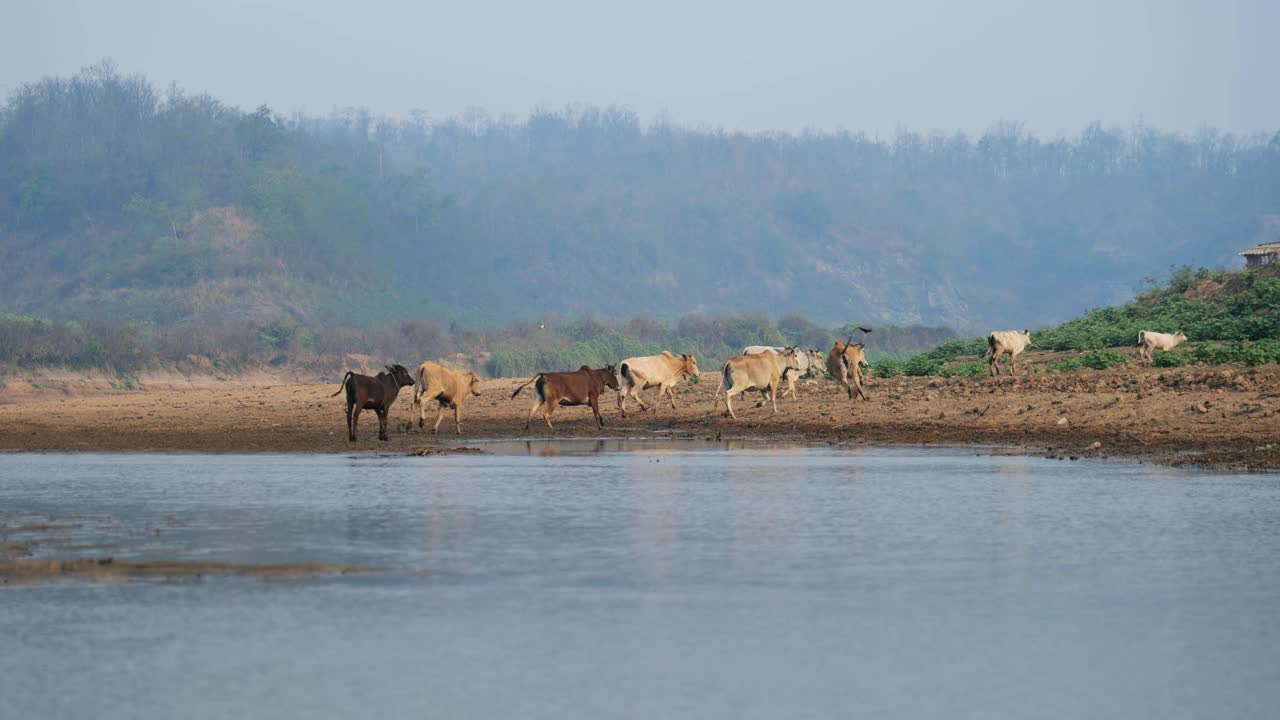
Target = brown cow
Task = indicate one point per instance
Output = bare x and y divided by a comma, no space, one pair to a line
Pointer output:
447,387
845,363
372,393
580,387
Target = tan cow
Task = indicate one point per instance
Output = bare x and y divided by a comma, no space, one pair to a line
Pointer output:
761,372
1149,342
845,364
806,360
1006,341
660,371
447,387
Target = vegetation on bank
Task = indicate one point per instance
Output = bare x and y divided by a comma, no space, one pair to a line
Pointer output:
1230,317
512,350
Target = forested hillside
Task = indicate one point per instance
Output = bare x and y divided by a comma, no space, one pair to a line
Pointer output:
120,201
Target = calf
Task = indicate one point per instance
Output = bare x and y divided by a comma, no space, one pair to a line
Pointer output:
761,371
660,371
580,387
1149,342
376,393
447,387
845,363
1006,341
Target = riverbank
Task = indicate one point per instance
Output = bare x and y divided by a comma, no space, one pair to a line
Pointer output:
1224,416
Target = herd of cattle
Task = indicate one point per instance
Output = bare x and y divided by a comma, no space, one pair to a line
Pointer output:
760,367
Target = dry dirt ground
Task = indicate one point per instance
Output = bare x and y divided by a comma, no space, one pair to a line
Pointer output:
1221,416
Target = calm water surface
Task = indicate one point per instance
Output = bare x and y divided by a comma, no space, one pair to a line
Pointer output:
562,581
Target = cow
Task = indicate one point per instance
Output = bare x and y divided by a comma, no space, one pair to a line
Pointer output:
376,393
1149,342
1006,341
761,371
580,387
845,362
447,387
660,371
803,364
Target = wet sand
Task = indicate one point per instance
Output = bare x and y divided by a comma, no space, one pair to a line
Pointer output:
1222,416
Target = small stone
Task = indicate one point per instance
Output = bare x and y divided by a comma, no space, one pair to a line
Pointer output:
1096,445
1062,421
1200,408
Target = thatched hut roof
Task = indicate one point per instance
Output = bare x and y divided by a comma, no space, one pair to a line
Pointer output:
1271,248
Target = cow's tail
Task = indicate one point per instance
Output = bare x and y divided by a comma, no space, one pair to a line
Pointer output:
725,374
991,346
1142,338
526,384
633,376
419,389
343,386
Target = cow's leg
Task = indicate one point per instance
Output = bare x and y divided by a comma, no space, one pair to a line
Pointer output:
594,399
773,397
536,404
791,385
351,422
637,391
671,395
728,403
382,423
457,421
549,406
622,398
1013,364
435,429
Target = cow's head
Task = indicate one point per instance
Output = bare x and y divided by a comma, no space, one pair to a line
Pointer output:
1027,335
611,377
1180,337
473,383
855,355
790,358
400,375
688,365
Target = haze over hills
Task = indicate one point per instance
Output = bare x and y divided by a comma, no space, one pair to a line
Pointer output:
119,200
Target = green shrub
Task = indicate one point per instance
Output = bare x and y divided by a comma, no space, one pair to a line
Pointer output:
1067,365
1101,359
887,367
1167,359
920,365
968,369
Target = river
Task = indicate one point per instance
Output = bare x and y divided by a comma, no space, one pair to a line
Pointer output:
649,579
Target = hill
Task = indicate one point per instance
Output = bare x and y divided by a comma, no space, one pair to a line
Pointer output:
119,202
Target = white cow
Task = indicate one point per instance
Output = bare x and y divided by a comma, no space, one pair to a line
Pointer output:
660,371
1149,342
1006,341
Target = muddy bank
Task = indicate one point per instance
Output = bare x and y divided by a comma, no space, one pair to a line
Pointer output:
108,569
1224,416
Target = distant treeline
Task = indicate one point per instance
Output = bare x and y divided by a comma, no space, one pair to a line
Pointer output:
513,350
123,201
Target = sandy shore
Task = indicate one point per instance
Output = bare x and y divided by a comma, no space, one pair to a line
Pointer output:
1227,416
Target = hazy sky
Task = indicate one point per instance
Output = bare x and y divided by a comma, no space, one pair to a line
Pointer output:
862,65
